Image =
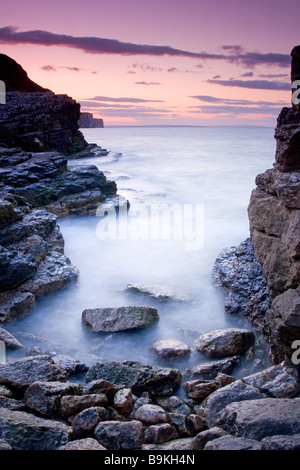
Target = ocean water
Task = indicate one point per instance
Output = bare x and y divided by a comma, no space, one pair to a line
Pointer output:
188,188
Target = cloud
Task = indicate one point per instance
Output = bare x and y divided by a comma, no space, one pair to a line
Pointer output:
49,68
255,84
124,100
96,45
237,110
147,83
231,101
146,67
247,74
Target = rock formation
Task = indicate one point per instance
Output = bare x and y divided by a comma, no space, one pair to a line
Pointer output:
35,118
88,121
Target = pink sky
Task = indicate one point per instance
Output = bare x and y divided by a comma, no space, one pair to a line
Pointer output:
226,62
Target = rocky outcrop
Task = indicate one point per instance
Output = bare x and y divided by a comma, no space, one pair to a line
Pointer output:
33,117
88,121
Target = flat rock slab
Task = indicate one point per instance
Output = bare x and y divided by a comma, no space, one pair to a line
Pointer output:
119,435
159,292
137,376
227,342
171,348
233,443
119,319
24,431
258,419
23,372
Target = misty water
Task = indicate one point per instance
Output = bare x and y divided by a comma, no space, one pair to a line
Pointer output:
206,175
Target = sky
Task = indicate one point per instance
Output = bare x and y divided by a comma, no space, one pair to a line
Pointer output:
159,62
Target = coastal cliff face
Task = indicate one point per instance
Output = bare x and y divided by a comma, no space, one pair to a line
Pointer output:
274,215
35,118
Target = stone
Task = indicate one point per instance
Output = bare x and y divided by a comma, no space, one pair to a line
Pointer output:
123,401
258,419
116,435
183,425
4,445
83,444
5,392
175,404
201,439
21,373
224,379
158,434
85,422
175,444
24,431
12,404
158,292
44,397
88,121
119,319
278,381
210,370
69,364
170,348
71,405
15,304
233,443
238,391
199,389
15,77
287,140
227,342
151,414
137,376
10,341
238,271
101,386
287,305
291,442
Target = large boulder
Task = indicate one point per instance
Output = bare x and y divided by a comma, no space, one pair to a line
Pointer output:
257,419
24,431
21,373
117,435
119,319
137,376
171,348
159,292
227,342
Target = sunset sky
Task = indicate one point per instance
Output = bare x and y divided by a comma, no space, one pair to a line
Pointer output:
159,62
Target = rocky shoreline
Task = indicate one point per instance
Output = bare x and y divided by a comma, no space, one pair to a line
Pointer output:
52,401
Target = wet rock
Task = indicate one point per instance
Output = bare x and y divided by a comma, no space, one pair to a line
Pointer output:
116,435
287,305
151,414
10,341
15,304
201,439
5,392
137,376
238,271
44,397
4,445
158,292
233,443
71,405
238,391
23,372
69,364
199,389
224,379
157,434
119,319
171,348
15,268
123,401
183,424
83,444
176,444
85,422
227,342
55,272
210,370
101,386
278,381
257,419
24,431
291,442
12,404
174,404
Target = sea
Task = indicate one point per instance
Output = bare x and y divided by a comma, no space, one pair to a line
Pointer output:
188,189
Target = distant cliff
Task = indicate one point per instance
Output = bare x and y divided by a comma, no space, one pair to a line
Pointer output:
35,118
274,214
88,121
